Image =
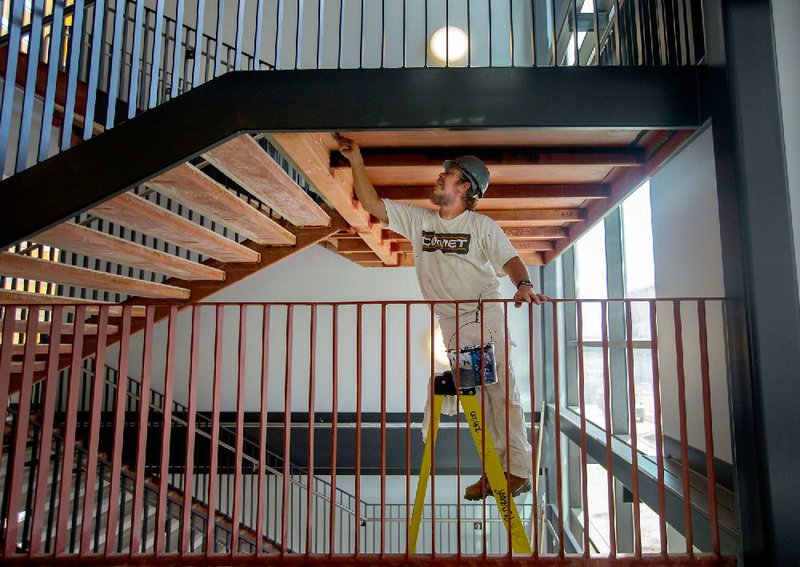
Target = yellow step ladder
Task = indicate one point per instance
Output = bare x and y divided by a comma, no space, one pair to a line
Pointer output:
444,386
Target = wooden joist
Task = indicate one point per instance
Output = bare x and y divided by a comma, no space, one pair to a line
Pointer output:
20,326
311,154
20,266
43,348
245,162
524,246
532,259
95,244
535,233
139,214
625,156
190,186
516,191
623,183
526,217
38,366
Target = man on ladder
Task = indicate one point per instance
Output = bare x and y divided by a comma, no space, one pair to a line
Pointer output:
459,255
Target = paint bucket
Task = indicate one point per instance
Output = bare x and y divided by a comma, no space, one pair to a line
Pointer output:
468,363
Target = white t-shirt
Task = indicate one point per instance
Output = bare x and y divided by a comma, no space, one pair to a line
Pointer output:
457,259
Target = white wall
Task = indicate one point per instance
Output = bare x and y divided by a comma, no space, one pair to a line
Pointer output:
688,263
786,15
319,275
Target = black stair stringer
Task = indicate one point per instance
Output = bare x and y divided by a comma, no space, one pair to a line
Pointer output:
319,100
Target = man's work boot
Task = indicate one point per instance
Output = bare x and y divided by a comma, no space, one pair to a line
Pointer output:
479,490
518,485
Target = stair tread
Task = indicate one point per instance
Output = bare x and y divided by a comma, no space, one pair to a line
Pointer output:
190,186
22,266
140,214
244,161
96,244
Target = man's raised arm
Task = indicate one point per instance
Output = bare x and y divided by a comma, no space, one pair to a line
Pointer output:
364,190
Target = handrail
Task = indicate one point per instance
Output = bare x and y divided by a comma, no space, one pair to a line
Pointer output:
220,518
692,329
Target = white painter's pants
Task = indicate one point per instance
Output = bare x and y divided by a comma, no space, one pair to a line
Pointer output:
494,395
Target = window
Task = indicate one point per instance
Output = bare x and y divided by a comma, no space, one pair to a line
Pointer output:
639,272
590,283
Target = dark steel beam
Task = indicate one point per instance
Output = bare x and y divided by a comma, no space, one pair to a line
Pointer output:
125,156
740,93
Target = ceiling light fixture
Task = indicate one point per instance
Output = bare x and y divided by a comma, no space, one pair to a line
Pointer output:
449,44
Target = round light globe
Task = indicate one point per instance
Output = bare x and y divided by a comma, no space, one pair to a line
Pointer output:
449,43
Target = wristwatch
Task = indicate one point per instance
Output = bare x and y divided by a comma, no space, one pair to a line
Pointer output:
524,282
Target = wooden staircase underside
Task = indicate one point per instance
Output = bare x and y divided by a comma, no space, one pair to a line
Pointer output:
267,217
547,186
191,229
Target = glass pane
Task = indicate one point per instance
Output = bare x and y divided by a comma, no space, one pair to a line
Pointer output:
590,278
593,384
643,390
637,235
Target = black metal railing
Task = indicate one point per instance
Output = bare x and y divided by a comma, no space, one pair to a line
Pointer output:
129,58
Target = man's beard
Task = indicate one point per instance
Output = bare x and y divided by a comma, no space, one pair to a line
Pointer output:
441,200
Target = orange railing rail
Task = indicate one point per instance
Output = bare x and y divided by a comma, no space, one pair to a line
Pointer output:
287,432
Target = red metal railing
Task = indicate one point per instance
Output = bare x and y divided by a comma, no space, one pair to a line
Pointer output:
287,431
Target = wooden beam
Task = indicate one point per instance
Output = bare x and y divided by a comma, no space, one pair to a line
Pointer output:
20,326
42,348
139,214
532,259
526,217
244,161
535,233
544,191
77,238
269,256
21,266
368,256
38,366
374,158
190,186
624,184
524,246
45,303
200,290
311,155
347,246
402,246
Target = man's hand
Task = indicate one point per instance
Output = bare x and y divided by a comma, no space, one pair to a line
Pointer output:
526,294
363,186
349,149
